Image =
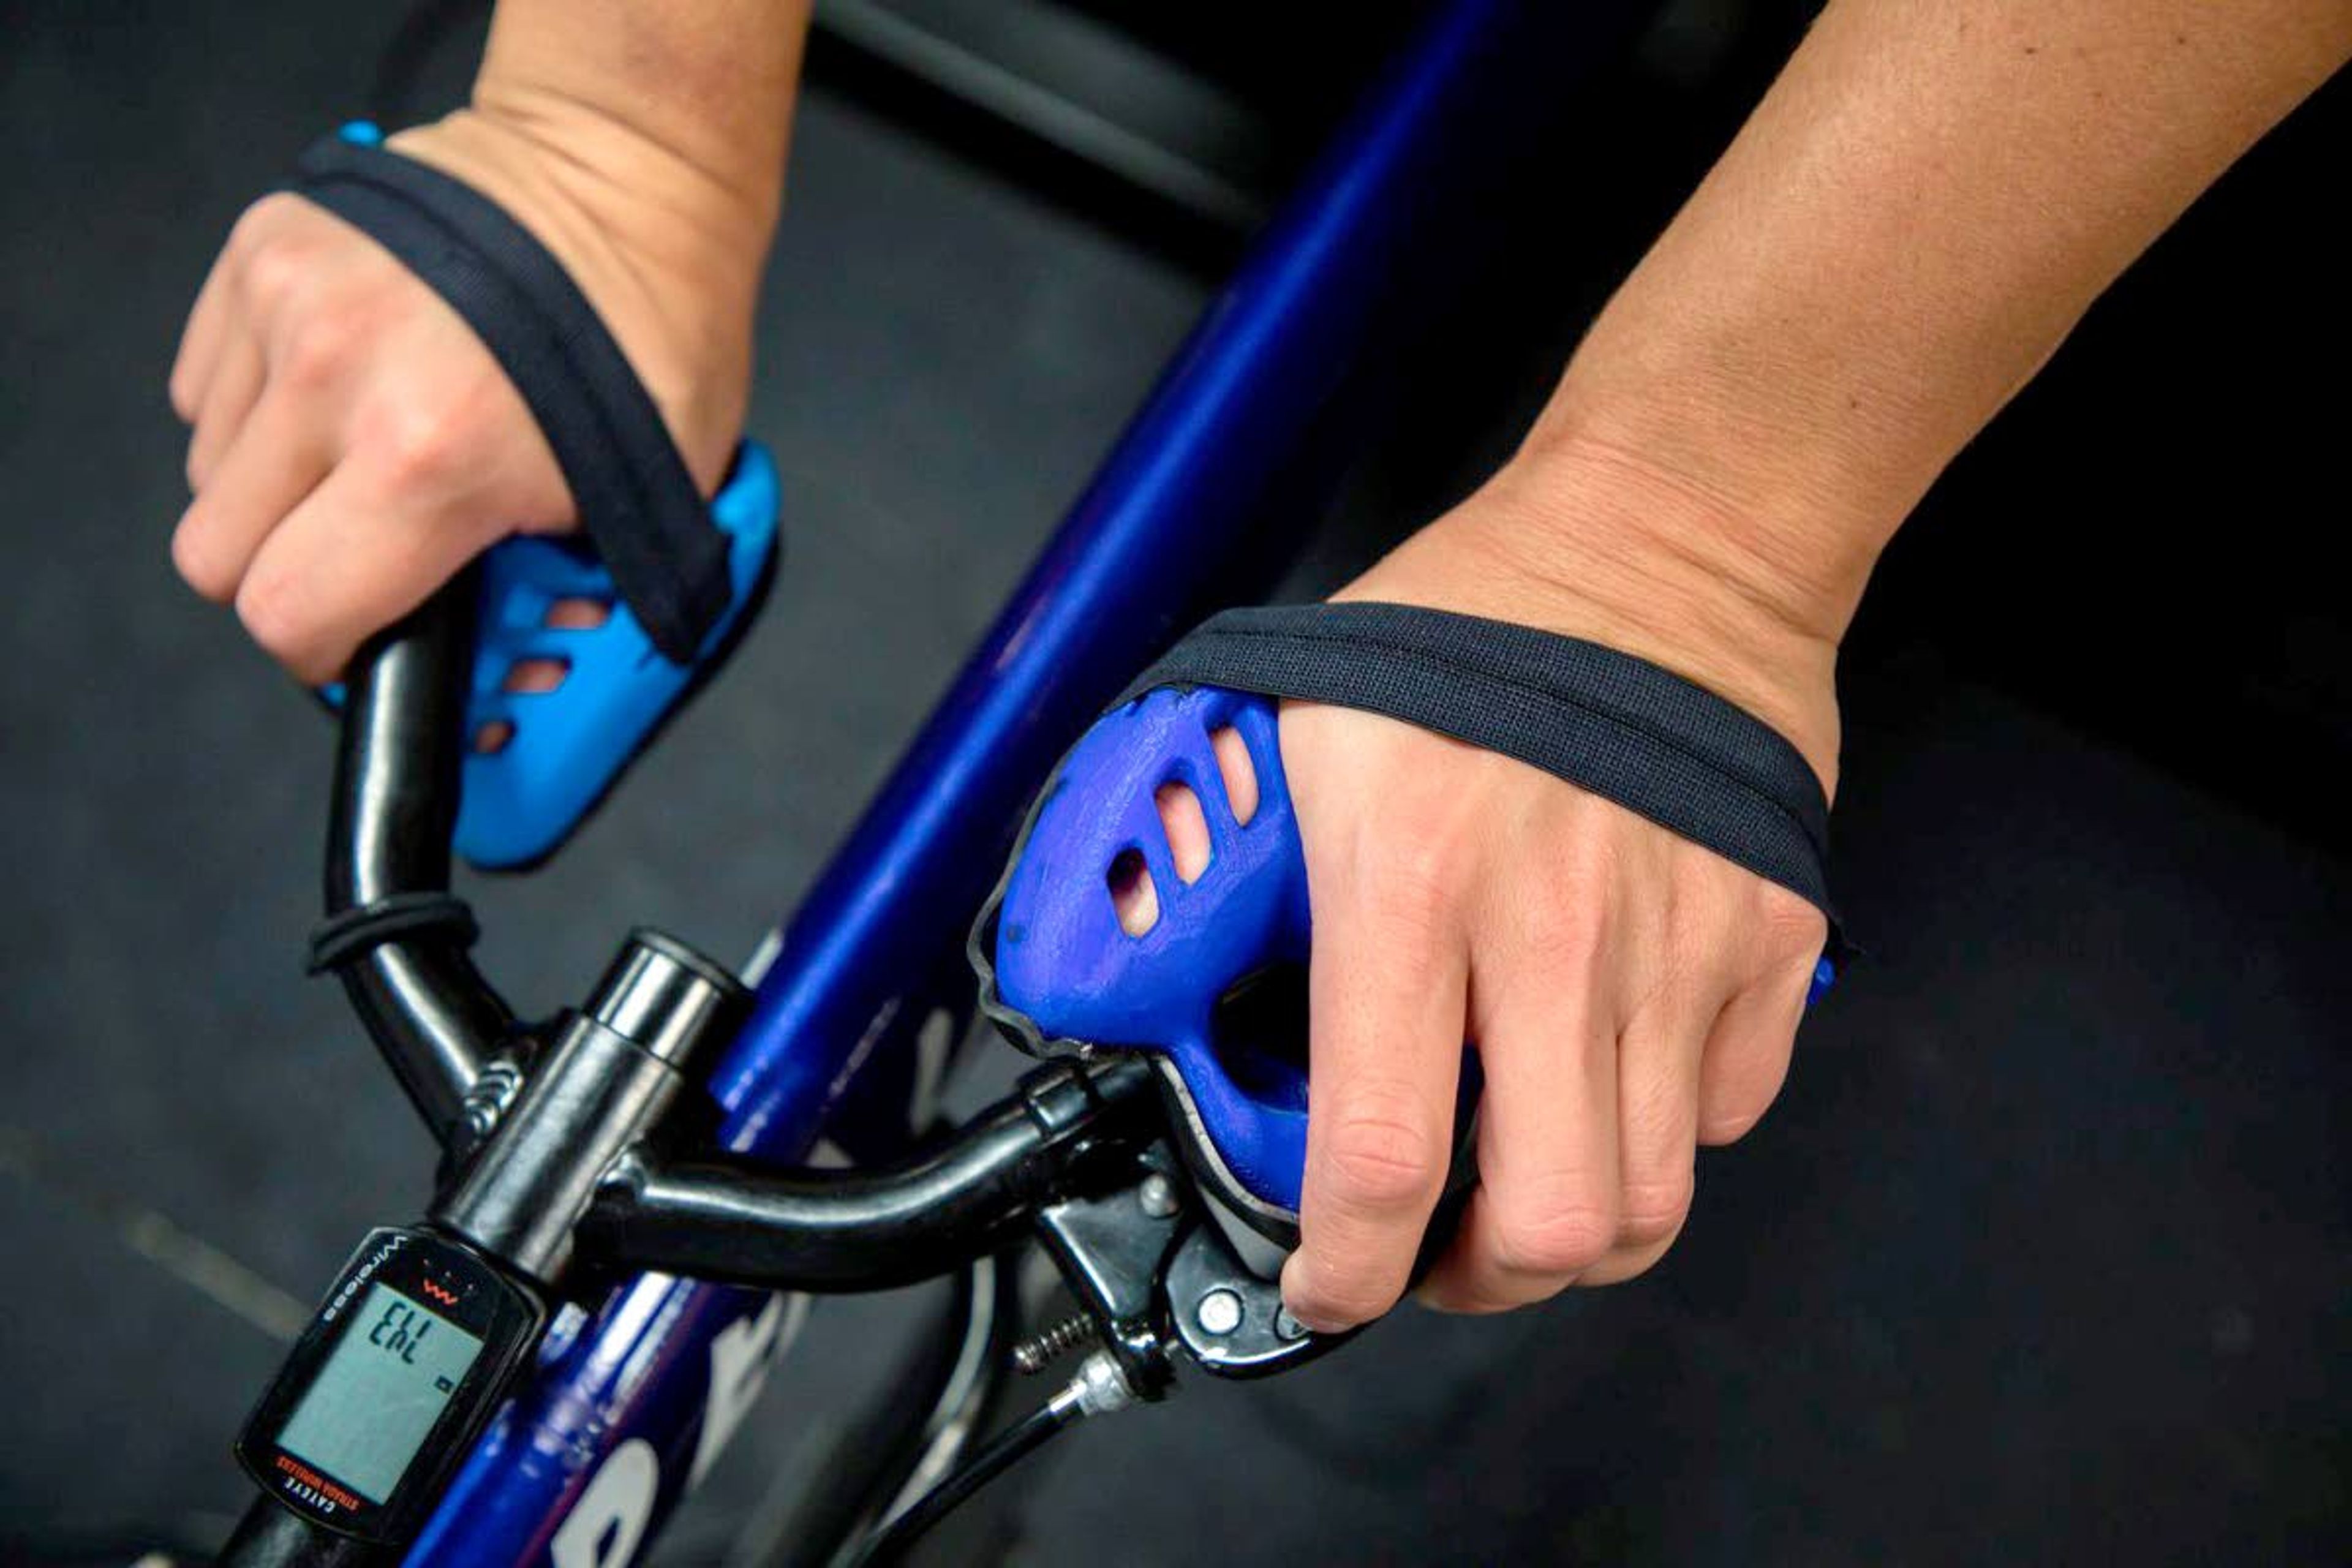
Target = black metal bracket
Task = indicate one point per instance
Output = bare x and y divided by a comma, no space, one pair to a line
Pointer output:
1160,1280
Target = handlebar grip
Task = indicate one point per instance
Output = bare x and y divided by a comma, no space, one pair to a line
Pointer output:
565,748
1212,989
561,750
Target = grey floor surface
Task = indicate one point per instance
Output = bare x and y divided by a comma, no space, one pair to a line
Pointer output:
2042,1256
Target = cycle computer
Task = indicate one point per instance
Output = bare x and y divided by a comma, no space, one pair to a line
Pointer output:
387,1388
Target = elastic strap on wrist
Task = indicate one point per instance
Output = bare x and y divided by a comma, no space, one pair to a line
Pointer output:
636,502
1606,721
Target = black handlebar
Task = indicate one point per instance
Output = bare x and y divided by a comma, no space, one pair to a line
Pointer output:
399,943
557,1140
735,1221
428,1008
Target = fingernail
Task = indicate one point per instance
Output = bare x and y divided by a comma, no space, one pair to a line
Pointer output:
1315,1322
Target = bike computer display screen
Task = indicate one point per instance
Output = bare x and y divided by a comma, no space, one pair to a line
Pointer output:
406,1360
375,1400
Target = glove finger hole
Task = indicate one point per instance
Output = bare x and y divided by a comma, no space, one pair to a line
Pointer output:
577,613
1132,892
535,677
1187,827
1238,770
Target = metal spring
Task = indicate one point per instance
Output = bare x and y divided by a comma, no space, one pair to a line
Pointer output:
1040,1350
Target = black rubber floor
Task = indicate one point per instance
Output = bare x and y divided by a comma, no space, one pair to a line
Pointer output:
2043,1258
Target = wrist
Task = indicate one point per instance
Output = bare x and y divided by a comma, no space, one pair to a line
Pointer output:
1594,541
1766,488
601,171
695,96
725,189
673,269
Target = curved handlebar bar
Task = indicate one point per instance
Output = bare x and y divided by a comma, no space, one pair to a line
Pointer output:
739,1222
399,944
428,1008
571,1162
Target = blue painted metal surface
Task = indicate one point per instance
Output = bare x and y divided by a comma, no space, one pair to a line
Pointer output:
581,1467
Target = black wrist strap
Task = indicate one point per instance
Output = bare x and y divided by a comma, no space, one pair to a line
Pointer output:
1606,721
637,504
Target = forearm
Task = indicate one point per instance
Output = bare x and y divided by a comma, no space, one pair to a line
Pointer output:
710,84
1914,217
686,107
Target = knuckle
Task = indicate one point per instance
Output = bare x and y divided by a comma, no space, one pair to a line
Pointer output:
273,607
1729,1126
1655,1210
1601,847
251,230
1382,1156
1553,1241
1628,1263
317,348
1736,1101
196,566
274,271
1792,927
1414,892
182,389
417,442
1562,931
1417,875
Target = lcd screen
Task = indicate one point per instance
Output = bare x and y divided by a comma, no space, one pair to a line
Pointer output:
387,1381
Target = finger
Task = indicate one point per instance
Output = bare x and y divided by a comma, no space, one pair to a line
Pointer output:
200,341
1658,1061
1386,994
251,259
357,554
1748,1052
1547,1205
278,457
229,400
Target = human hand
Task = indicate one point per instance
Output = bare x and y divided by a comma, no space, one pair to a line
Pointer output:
354,444
1631,995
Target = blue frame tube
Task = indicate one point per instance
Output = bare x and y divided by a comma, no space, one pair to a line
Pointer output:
1246,421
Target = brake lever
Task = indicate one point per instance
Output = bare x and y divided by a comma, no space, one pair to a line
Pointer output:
1229,1321
1160,1282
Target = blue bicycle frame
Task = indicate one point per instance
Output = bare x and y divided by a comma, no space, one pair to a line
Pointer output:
1248,427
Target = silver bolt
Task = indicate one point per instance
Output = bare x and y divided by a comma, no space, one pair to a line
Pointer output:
1158,1196
1220,1311
1288,1327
